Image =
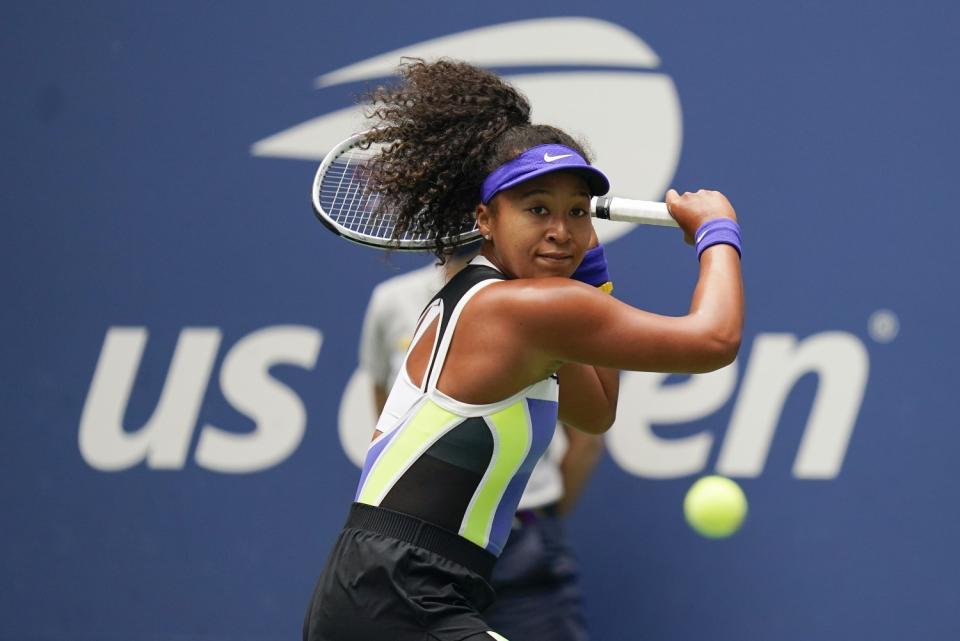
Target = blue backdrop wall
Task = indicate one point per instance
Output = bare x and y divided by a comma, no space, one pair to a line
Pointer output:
178,381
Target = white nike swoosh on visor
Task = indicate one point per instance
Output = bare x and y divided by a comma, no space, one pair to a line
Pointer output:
547,157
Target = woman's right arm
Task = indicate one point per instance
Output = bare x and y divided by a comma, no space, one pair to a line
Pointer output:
720,287
587,326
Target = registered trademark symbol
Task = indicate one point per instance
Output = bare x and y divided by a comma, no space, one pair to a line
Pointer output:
883,326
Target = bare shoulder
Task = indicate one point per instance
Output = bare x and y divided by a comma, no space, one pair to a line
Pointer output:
505,337
525,293
531,305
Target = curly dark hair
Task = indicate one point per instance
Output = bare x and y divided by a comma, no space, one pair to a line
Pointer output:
445,127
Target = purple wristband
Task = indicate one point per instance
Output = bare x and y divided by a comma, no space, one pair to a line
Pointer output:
719,231
593,268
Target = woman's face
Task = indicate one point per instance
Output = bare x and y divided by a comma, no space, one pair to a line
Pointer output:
539,228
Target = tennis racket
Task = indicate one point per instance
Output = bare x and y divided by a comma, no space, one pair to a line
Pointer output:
342,202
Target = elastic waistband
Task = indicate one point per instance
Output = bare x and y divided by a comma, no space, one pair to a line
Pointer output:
422,534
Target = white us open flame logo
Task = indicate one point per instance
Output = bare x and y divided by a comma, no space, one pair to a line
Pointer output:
611,96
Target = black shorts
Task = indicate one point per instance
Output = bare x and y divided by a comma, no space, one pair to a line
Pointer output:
392,577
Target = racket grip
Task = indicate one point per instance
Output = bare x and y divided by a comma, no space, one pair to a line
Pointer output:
641,212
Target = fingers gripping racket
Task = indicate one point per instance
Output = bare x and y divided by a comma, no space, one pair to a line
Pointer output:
342,202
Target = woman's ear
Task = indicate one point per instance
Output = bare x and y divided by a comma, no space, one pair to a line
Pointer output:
484,214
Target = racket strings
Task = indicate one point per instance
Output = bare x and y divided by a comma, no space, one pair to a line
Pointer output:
344,195
347,199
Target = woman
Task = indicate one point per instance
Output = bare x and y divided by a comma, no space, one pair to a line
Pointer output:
508,344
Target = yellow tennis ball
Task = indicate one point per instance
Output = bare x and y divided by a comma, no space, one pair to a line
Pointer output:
715,507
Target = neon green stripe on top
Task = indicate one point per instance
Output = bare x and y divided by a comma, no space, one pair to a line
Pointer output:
511,428
420,432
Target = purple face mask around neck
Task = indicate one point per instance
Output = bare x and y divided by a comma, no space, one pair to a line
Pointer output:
540,160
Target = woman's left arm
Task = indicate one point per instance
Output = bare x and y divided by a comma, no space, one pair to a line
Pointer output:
588,396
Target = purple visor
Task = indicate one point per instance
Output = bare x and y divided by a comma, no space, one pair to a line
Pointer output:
540,160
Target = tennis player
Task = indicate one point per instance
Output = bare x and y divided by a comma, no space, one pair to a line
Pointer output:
536,578
522,335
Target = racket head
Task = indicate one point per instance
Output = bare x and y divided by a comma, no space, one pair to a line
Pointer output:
342,202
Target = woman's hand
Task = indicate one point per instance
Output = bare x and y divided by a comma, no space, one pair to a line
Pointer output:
693,209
